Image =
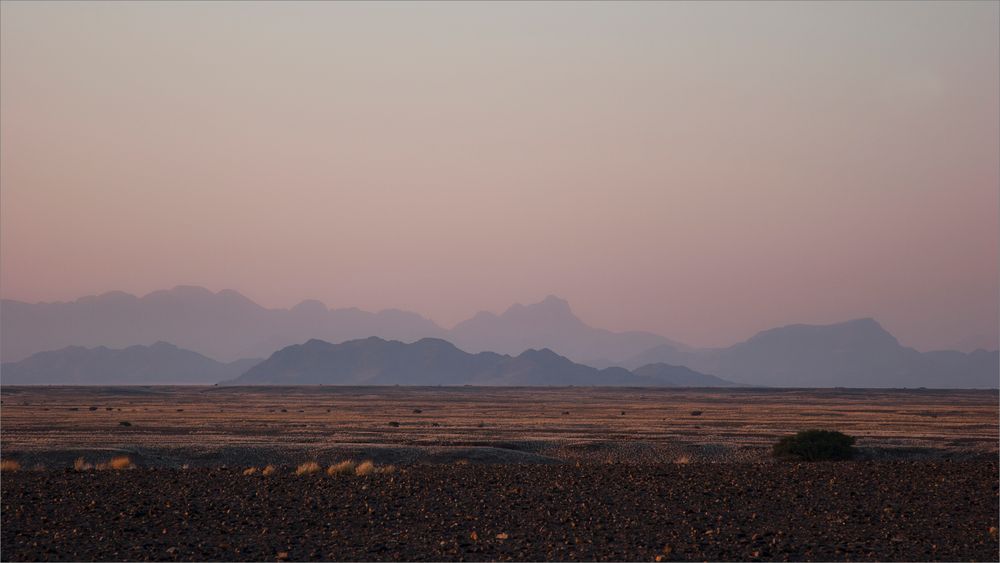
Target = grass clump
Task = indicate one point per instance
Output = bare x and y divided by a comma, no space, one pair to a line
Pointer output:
816,445
342,468
117,463
364,468
9,465
268,470
120,462
307,468
249,470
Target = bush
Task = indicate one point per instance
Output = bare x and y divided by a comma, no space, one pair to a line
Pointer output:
816,445
9,465
121,462
342,468
307,468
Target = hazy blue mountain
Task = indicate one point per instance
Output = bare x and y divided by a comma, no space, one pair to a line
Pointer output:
857,353
431,361
552,324
680,376
223,325
158,364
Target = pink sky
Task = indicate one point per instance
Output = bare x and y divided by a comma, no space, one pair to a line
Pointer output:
703,171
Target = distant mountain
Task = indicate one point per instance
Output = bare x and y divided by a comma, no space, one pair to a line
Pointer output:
159,364
552,324
858,353
226,325
431,361
680,376
223,325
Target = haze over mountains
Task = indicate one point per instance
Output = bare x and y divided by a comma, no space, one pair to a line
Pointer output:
161,364
228,326
857,353
432,361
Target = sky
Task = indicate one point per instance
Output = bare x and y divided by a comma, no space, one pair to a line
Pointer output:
699,170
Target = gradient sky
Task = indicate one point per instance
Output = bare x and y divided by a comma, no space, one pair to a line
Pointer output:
703,171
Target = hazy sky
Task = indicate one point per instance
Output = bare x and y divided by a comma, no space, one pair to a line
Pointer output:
703,171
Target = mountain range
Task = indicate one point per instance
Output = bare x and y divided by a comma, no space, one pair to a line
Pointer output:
227,326
432,361
160,364
369,361
857,353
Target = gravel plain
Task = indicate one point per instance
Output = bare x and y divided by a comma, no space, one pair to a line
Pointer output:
872,511
495,474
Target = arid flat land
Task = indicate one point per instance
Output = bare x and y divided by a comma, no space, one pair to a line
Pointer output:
174,426
496,474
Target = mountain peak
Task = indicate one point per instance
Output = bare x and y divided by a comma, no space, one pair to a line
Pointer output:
190,291
310,306
551,306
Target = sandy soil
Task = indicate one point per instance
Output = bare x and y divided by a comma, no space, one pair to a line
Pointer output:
173,426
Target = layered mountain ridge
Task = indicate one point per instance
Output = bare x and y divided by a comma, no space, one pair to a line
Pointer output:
227,326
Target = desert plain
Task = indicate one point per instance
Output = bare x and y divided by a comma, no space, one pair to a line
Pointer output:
464,473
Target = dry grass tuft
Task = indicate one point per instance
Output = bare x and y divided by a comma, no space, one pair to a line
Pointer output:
683,459
81,464
307,468
268,470
9,465
121,462
385,469
117,463
365,468
342,468
249,470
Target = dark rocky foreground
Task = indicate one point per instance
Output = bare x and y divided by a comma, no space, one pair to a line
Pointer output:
923,510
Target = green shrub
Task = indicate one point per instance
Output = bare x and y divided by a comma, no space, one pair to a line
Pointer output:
816,445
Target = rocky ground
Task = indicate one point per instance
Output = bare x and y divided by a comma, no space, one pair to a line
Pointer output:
864,510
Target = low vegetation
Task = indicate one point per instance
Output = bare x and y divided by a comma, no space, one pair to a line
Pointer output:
9,465
815,445
342,468
307,468
116,463
268,470
119,462
249,470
